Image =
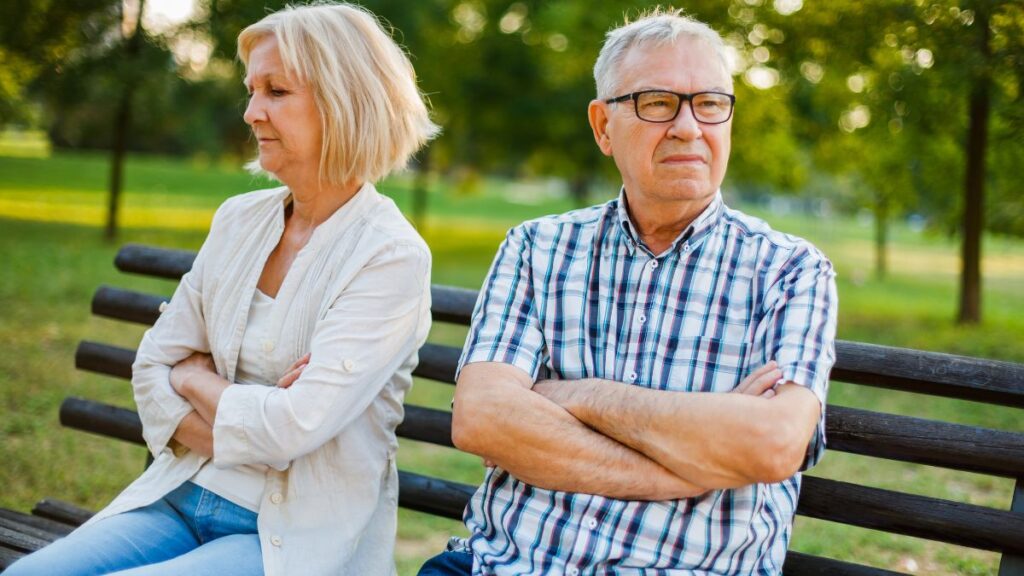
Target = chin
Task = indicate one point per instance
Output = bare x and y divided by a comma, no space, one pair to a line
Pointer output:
689,190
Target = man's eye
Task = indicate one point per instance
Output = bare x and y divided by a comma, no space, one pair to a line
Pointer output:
656,103
277,92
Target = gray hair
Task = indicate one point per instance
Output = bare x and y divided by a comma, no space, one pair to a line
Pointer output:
657,27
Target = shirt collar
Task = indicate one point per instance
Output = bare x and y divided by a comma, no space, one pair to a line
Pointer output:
693,233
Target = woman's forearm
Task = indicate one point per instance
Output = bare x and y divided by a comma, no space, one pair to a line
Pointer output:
203,391
195,434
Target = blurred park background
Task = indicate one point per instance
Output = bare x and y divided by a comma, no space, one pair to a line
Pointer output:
889,133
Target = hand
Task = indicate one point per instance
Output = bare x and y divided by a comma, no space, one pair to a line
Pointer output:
761,382
195,364
294,371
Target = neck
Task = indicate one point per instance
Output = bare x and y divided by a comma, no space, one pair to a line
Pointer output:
659,224
313,202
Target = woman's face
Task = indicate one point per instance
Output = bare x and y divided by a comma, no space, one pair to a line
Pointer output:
283,116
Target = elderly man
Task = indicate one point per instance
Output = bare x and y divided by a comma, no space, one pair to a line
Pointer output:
688,347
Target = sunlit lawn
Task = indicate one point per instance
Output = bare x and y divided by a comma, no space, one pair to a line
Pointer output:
51,210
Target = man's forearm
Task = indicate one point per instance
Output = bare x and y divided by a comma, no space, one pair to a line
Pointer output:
540,443
712,440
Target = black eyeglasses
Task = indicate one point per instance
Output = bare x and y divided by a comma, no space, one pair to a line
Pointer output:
663,105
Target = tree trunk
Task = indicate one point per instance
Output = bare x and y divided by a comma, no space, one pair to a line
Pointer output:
881,238
122,123
974,182
420,192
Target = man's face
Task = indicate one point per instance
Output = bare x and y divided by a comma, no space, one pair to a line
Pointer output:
675,162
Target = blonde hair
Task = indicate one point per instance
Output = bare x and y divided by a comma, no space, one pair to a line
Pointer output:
657,27
374,118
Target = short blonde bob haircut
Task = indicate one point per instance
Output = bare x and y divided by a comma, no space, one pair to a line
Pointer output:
374,118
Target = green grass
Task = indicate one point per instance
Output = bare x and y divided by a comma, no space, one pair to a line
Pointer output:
50,217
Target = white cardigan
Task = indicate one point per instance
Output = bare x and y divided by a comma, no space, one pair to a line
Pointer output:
358,297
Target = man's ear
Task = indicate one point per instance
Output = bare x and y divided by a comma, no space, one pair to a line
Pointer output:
597,113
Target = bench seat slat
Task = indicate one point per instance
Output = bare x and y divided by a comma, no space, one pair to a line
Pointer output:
14,526
17,540
61,511
43,525
8,556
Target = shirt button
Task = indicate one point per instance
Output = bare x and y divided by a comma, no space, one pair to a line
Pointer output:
349,365
268,346
632,376
574,571
592,523
642,319
276,497
686,247
275,540
654,263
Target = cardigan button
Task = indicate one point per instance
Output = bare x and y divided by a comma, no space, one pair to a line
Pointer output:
276,498
275,540
349,365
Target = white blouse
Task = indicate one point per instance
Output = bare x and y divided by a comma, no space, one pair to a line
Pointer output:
243,485
357,297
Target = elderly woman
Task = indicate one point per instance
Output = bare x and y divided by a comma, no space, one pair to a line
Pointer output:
270,388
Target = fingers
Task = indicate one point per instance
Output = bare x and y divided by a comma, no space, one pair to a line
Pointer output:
294,371
761,381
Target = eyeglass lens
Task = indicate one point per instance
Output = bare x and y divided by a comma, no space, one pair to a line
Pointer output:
707,107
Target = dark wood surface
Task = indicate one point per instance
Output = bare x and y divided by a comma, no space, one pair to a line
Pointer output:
1013,564
932,373
852,430
798,564
913,515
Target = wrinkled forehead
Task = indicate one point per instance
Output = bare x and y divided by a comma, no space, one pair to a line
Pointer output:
265,64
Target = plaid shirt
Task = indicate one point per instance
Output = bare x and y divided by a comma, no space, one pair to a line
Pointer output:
581,296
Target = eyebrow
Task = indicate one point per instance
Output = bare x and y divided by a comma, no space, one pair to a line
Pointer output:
273,77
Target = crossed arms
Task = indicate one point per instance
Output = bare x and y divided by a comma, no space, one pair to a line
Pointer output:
623,441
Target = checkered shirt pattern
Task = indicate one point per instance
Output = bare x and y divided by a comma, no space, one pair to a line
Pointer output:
578,295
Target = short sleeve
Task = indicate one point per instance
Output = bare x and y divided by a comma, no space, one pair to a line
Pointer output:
505,327
801,317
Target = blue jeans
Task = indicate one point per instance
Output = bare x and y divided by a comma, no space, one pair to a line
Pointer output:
189,531
448,564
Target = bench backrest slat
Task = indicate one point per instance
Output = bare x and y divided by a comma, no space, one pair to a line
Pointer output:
933,373
851,430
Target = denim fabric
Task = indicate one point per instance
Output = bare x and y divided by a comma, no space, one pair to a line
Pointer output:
190,531
448,564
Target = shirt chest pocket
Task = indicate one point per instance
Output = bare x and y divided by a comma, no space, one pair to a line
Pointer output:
703,365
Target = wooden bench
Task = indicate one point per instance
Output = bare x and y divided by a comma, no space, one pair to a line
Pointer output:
927,442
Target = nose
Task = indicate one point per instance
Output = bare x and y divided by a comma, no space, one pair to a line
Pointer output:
254,110
685,126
